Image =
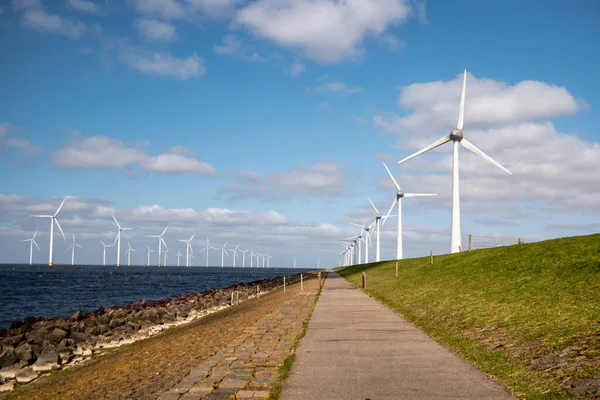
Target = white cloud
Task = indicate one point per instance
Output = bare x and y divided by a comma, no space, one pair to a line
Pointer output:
239,48
156,30
296,69
323,179
326,31
104,152
86,6
167,9
24,146
335,87
42,21
186,9
23,4
163,64
215,8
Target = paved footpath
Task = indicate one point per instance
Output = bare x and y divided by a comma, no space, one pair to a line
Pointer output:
248,366
357,348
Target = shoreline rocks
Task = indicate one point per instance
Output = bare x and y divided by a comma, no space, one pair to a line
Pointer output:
36,346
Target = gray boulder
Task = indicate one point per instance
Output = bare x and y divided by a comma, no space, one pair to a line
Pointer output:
26,375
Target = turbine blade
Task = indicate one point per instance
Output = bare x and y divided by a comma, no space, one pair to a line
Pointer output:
375,208
193,237
59,207
443,140
164,231
419,194
117,222
475,150
78,245
461,110
61,231
360,226
391,208
163,242
38,247
392,176
104,244
34,235
42,216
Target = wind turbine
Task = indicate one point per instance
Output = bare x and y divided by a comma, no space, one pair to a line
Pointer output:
251,258
294,263
318,264
106,246
367,239
179,255
223,252
165,256
269,261
208,247
398,200
244,258
52,221
118,239
456,136
149,251
129,250
161,241
234,254
31,243
263,257
188,247
377,218
72,248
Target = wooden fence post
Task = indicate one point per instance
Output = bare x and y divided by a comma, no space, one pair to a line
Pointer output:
520,241
431,256
232,297
319,280
301,282
284,284
396,269
470,242
364,280
257,291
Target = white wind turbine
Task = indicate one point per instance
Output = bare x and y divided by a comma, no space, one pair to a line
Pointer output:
165,256
263,258
234,254
208,247
31,243
129,250
398,200
118,239
149,251
161,241
244,258
179,255
294,263
223,252
72,248
188,247
269,261
367,239
52,221
456,136
105,246
377,219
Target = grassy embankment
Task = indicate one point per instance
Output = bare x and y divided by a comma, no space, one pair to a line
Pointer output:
527,314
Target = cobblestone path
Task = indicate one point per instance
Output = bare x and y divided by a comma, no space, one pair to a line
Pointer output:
248,366
235,352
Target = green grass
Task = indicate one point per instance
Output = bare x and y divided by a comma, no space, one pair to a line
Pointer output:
502,308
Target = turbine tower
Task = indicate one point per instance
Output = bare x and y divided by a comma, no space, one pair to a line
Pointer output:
165,256
234,254
377,219
31,243
72,248
456,136
118,240
52,221
160,242
179,255
244,258
149,251
129,250
223,252
398,200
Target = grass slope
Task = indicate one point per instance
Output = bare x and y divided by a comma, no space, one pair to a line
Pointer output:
527,314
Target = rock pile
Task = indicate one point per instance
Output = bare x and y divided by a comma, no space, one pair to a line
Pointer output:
37,346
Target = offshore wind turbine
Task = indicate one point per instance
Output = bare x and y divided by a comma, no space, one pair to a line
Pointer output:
161,241
234,254
456,136
149,251
106,246
269,261
398,200
188,247
244,258
377,223
31,243
52,221
72,248
165,256
294,263
208,247
251,258
223,252
118,239
179,255
129,250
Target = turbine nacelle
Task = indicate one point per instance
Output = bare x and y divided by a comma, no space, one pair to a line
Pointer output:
456,135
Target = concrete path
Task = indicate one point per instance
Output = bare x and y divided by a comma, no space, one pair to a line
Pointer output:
357,348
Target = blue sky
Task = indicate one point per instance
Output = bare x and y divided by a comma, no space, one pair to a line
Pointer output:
264,123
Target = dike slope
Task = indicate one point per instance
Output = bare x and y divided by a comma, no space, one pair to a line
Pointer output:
527,314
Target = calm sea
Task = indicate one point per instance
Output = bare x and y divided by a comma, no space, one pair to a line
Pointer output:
60,290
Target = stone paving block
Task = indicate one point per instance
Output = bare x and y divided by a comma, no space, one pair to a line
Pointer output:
169,396
244,394
261,394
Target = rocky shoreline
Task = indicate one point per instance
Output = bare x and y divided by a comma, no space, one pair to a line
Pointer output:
35,347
